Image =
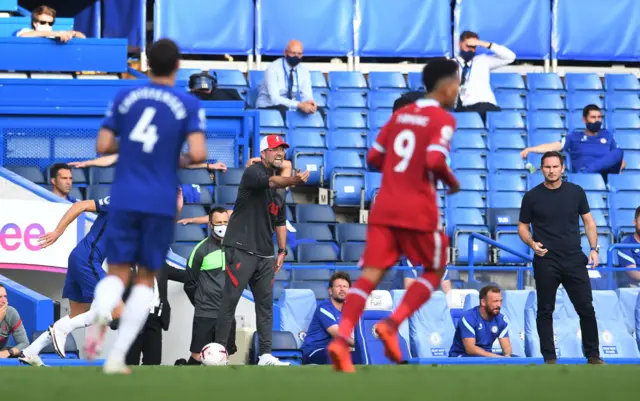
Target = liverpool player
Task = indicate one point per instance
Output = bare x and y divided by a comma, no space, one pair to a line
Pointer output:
411,151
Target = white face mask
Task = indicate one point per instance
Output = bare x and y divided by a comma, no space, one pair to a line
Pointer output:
44,28
220,230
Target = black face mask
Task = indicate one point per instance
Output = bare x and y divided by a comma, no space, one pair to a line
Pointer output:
293,60
467,55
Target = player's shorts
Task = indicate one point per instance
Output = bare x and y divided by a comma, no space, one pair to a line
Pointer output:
319,356
138,238
82,278
385,246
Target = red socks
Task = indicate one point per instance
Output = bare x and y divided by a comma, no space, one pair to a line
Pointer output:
354,305
418,293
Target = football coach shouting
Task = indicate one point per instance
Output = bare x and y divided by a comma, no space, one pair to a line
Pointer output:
248,243
553,209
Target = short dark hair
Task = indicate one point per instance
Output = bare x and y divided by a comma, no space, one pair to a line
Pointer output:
217,209
589,108
487,289
637,213
163,57
53,170
468,35
340,276
2,286
437,70
552,153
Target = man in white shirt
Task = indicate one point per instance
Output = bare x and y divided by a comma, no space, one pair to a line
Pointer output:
475,84
287,84
42,20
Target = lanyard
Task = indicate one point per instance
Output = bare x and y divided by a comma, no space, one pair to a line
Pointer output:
286,76
468,72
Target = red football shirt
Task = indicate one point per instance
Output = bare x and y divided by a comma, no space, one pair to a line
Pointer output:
407,196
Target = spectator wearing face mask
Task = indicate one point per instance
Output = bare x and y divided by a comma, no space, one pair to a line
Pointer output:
287,84
204,283
593,150
475,70
205,87
42,20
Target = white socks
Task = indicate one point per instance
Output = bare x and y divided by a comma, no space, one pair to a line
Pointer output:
134,316
108,294
82,320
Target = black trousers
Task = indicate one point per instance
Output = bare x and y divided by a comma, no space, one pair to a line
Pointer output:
204,332
148,344
571,272
480,108
246,269
283,110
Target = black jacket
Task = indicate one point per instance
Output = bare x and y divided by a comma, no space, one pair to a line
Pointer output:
205,277
407,98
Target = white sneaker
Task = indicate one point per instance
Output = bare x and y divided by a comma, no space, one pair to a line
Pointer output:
270,360
59,340
31,360
112,367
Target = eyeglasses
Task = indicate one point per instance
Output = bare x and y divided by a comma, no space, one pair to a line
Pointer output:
40,22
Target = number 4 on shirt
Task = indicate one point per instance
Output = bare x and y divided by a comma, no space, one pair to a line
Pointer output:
145,132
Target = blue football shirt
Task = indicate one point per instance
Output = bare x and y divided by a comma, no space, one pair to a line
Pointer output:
91,247
584,149
325,316
152,122
473,325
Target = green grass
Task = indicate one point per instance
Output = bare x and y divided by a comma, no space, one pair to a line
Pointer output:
310,383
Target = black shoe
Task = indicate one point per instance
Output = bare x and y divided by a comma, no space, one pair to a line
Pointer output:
181,362
594,360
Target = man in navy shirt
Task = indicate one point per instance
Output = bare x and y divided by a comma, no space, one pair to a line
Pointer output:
61,181
481,326
631,257
592,151
151,122
324,324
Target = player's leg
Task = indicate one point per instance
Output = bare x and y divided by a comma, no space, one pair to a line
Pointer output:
381,252
429,250
152,342
202,333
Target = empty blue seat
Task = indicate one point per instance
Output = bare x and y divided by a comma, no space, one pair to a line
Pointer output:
507,141
469,140
347,188
232,176
347,119
507,80
544,82
351,160
431,328
621,82
321,97
462,218
102,175
622,101
505,121
307,138
183,250
534,180
379,118
297,307
372,184
78,174
545,101
471,182
183,74
623,120
624,200
546,120
31,173
356,140
307,213
624,182
255,78
541,137
505,200
510,101
465,199
300,120
311,275
197,176
347,80
512,240
318,80
320,290
507,181
505,161
313,231
628,298
313,253
599,218
622,222
189,211
347,100
386,80
582,82
188,233
588,182
351,232
597,200
414,80
468,160
578,100
312,160
382,99
226,194
96,192
468,120
230,78
632,158
604,241
271,119
351,252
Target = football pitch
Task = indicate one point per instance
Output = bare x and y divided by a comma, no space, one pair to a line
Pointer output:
370,383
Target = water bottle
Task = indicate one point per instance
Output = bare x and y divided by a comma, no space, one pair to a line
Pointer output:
530,167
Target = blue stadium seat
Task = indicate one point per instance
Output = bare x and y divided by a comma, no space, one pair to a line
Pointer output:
624,200
414,80
320,290
624,182
279,287
318,80
505,161
468,160
386,80
622,101
372,184
297,307
599,217
232,176
513,306
351,232
465,199
96,192
351,252
189,211
510,101
307,213
544,136
225,194
582,82
578,100
471,182
368,349
314,253
284,347
347,119
588,182
183,250
544,82
319,274
604,241
505,200
509,81
31,173
313,231
403,330
255,78
102,175
78,174
346,160
575,122
638,322
271,119
312,160
545,101
623,120
283,275
597,200
379,118
299,120
431,328
469,140
183,74
506,182
230,78
307,138
546,120
382,99
507,141
621,82
468,120
628,298
347,80
632,159
512,240
197,176
505,121
622,222
347,187
188,233
534,180
321,97
347,100
355,140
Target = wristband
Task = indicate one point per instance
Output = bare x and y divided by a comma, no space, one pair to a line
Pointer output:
280,250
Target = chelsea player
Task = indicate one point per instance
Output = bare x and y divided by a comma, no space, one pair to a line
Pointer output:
151,123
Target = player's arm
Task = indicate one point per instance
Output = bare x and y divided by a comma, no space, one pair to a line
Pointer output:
106,143
103,161
18,332
376,155
438,151
330,324
74,211
258,179
192,272
196,126
503,338
468,334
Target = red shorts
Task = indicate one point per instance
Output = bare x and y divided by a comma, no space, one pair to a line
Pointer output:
385,246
